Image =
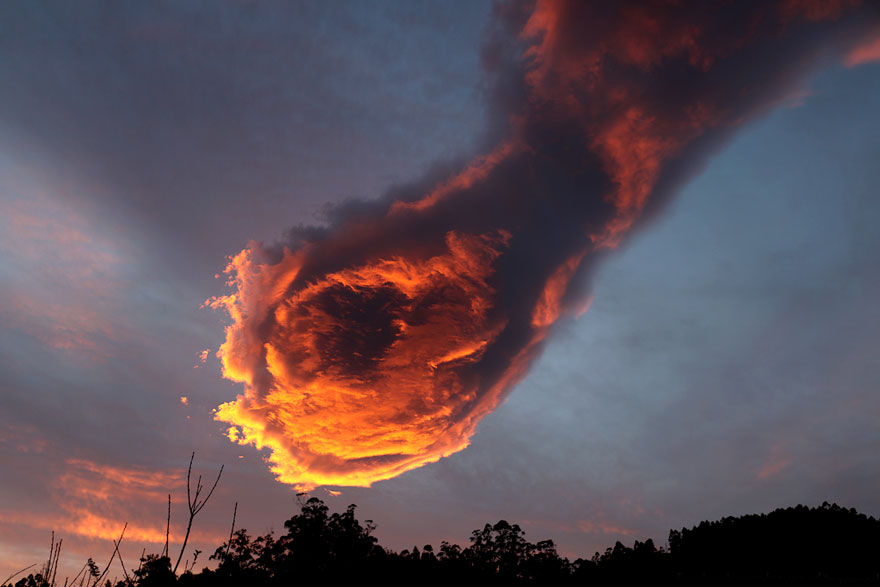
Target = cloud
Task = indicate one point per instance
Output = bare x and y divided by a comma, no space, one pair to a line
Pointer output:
866,52
376,344
95,500
776,462
64,275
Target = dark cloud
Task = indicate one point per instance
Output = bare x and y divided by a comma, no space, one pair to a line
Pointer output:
376,344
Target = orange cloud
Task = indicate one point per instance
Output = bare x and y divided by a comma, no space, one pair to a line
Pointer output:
95,501
90,504
98,499
376,344
365,362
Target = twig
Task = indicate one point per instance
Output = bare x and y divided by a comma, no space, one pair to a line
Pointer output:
57,558
115,552
168,526
47,571
119,556
75,577
232,529
90,565
193,504
143,554
16,573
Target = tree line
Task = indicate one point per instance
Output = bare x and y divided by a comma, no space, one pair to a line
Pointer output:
800,545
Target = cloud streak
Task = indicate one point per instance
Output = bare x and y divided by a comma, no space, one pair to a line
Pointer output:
866,52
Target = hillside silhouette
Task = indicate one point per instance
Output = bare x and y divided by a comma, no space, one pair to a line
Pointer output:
826,545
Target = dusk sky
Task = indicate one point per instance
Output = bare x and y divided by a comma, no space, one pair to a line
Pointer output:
601,272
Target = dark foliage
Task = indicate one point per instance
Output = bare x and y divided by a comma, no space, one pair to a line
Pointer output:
828,541
795,546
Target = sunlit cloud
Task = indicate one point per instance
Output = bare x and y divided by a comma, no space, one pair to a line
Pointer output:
376,344
96,501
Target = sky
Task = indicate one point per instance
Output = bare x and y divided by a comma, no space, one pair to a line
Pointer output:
725,365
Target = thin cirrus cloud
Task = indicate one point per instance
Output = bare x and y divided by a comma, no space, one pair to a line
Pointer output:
64,277
376,344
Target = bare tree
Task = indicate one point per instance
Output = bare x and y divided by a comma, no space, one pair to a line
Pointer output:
193,504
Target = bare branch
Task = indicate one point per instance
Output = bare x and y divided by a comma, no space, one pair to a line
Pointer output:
47,570
194,505
54,570
17,573
210,493
143,559
119,556
188,472
115,552
75,577
168,525
232,529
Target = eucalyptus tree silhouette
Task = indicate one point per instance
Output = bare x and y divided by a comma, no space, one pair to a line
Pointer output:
319,544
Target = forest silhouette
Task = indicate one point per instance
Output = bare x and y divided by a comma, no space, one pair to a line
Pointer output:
826,545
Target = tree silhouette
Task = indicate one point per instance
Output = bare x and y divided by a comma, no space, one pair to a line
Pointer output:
828,545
